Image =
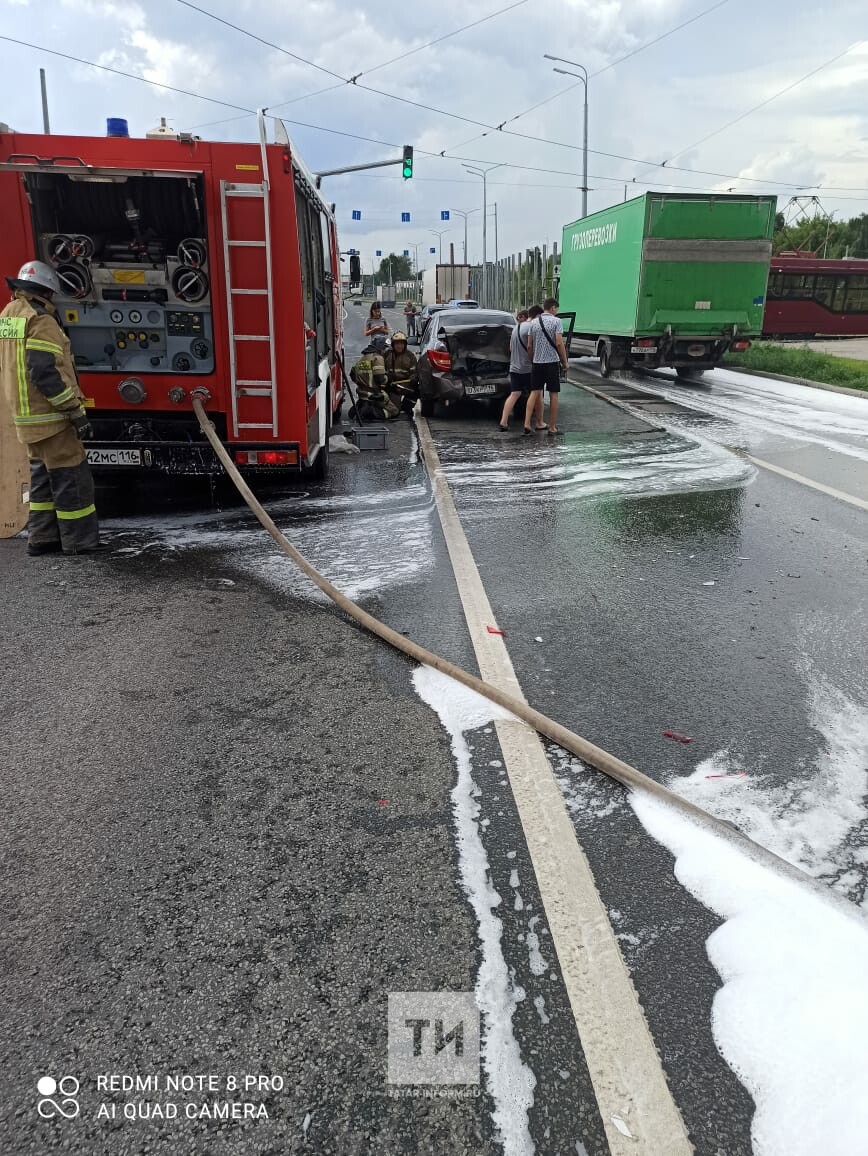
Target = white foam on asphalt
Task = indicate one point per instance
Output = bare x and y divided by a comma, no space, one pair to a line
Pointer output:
536,962
760,412
810,821
482,472
792,1016
356,548
510,1081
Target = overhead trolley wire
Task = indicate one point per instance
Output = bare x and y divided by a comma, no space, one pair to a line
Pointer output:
599,72
261,40
493,128
426,152
445,36
767,101
127,75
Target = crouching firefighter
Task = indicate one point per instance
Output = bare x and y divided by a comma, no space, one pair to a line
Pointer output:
369,374
37,375
400,365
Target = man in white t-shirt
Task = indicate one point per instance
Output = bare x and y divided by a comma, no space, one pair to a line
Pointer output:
519,363
548,356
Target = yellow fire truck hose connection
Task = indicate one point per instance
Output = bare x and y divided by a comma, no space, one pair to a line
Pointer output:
586,751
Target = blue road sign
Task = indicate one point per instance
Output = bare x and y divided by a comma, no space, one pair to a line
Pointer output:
378,253
432,250
405,216
357,214
444,214
406,252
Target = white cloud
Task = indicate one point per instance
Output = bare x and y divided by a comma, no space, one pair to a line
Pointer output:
658,101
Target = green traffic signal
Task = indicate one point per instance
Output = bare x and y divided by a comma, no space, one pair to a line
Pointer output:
407,170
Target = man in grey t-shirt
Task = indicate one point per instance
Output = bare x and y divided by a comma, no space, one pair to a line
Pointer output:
519,362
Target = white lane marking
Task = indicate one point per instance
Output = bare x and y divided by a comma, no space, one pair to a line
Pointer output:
833,493
637,413
625,1068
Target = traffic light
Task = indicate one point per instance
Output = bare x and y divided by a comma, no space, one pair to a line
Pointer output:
407,170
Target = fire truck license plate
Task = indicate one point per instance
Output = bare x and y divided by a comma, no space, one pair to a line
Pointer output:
114,457
476,390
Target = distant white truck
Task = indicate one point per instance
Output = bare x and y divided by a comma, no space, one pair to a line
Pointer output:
442,283
387,296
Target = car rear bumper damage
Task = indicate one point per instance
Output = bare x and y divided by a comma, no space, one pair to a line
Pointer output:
470,388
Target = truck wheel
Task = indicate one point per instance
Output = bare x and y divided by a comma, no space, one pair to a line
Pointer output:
605,362
426,405
319,471
685,373
320,468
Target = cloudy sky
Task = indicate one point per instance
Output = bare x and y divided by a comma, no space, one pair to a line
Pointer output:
669,101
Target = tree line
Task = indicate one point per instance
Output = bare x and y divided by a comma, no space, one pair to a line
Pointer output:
823,237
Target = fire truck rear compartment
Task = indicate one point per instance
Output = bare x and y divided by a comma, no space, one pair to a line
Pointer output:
132,257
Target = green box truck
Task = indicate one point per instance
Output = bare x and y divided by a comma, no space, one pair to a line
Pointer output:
667,279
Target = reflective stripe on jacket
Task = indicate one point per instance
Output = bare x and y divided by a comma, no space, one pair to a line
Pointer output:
37,373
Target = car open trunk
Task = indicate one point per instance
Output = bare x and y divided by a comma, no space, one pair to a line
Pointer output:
479,350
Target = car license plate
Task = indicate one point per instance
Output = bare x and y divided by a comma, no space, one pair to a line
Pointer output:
114,457
476,390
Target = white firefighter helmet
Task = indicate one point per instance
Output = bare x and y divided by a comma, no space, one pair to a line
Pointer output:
36,275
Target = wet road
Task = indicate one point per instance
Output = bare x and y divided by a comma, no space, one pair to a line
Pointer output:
649,583
820,436
238,869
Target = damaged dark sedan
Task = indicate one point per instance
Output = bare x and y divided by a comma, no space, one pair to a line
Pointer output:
465,356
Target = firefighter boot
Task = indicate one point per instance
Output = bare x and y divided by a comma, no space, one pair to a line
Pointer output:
44,535
64,458
73,491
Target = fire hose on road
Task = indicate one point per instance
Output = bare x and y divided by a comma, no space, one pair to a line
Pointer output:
587,751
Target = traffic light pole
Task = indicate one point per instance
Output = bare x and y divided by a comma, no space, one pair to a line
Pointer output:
402,160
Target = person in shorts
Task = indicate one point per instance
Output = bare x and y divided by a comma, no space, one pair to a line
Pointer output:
519,363
548,356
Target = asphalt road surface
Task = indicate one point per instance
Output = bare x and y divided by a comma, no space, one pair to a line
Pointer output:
856,347
232,827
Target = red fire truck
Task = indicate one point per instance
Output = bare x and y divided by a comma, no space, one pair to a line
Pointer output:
186,265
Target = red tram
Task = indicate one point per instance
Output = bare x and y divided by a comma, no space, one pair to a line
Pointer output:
808,296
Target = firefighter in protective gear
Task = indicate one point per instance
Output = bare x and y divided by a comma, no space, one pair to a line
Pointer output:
37,375
369,374
400,366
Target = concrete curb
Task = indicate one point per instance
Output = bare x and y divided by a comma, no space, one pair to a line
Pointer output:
797,380
618,404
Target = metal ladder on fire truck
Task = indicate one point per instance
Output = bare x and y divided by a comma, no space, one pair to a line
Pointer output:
242,388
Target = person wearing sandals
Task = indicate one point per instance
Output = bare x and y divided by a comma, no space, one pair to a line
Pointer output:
548,356
519,363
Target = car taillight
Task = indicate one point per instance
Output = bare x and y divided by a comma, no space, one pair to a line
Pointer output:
440,359
266,457
740,346
647,342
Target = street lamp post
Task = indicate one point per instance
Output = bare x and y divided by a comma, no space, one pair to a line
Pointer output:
479,172
584,79
439,235
414,245
465,214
